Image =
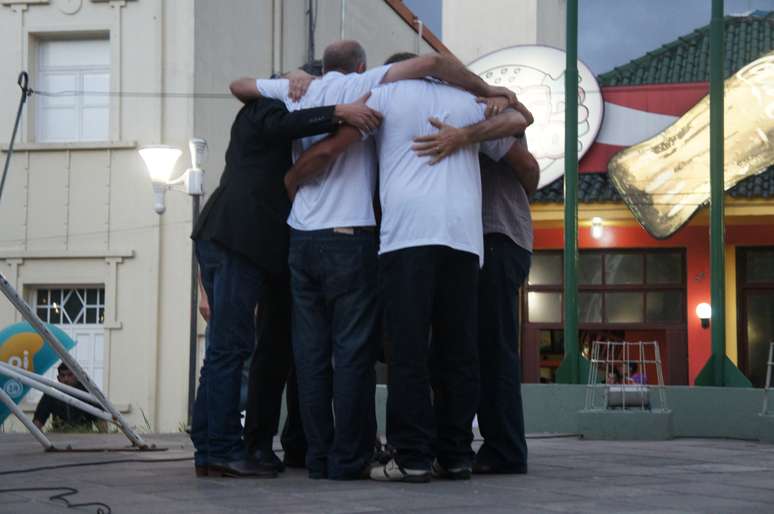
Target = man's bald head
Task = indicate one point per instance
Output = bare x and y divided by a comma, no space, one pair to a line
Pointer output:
346,56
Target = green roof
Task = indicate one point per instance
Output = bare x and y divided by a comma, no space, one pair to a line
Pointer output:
597,187
687,58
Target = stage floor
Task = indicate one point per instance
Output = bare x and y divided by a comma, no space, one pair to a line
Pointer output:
565,475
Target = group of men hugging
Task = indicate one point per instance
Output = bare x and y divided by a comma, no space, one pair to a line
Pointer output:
368,213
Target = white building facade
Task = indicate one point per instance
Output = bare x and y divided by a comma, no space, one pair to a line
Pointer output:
472,29
78,235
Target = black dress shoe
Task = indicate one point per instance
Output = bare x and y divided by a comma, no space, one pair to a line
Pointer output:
294,460
201,470
269,458
461,472
245,468
481,467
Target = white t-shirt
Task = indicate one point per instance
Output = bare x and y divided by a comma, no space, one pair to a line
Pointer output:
422,204
342,196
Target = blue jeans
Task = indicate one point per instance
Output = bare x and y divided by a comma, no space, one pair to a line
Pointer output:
234,286
334,314
245,373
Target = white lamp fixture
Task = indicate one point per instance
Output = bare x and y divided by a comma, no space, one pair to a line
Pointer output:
160,161
597,227
704,313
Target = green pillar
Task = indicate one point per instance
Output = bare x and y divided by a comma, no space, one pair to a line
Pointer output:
719,370
574,369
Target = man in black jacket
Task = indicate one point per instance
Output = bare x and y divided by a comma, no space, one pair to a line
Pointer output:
242,244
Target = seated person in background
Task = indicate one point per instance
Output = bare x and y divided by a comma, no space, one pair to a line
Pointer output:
614,376
635,375
66,417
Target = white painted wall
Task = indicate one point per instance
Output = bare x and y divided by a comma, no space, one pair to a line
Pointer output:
81,214
472,29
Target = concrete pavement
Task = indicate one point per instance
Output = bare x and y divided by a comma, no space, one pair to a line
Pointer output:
565,475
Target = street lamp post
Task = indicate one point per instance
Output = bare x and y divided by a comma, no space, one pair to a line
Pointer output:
160,161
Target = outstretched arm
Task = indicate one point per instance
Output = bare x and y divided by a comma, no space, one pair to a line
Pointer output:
448,69
244,89
317,159
449,139
277,122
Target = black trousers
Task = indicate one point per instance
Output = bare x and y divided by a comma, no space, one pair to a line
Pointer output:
270,371
431,288
500,413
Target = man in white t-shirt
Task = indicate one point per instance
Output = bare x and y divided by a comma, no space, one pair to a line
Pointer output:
430,252
508,237
333,262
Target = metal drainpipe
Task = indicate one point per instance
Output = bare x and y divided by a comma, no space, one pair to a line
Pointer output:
343,15
420,31
310,35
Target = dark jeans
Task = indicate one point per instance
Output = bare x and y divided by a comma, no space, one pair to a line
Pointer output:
424,288
270,370
500,413
333,281
234,286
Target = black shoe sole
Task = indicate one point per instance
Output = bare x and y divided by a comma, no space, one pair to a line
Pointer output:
218,472
462,475
414,479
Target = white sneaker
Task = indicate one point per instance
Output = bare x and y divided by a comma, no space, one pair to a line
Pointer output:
393,472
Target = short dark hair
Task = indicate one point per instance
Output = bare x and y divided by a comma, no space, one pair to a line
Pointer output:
313,68
343,56
400,56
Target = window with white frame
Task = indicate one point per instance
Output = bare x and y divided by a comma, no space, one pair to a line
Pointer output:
67,67
80,313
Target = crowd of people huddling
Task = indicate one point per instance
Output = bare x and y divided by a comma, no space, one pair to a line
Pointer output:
366,214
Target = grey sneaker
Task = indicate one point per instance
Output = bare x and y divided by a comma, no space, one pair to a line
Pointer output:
453,473
394,472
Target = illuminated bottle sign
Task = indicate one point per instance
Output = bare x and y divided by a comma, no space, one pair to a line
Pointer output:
536,75
665,179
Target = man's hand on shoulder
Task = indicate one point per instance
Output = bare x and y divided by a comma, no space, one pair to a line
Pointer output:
443,143
298,84
494,105
494,91
359,115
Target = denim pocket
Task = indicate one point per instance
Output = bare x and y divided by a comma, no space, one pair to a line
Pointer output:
350,267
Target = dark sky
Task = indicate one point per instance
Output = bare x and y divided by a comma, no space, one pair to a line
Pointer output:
613,32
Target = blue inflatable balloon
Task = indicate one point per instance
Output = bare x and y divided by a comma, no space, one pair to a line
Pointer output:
22,347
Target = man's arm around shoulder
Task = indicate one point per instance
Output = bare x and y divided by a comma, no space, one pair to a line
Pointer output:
524,165
319,157
244,89
448,69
